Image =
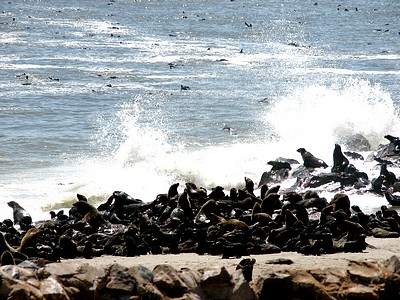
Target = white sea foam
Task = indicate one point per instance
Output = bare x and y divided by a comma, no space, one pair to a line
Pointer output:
316,116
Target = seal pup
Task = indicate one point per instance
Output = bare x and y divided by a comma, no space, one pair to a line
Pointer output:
340,162
310,161
21,217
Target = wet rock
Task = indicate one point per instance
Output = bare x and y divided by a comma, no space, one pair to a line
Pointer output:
355,142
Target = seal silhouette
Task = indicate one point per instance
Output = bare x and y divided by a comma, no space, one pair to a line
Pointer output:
340,162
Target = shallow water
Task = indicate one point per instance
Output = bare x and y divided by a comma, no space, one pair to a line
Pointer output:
102,109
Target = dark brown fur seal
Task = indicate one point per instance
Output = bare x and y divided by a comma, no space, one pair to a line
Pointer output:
310,161
340,162
28,239
21,217
7,258
90,214
4,246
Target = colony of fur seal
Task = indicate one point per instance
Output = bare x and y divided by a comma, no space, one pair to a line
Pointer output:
232,223
239,223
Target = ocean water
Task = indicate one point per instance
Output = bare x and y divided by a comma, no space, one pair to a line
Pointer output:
91,99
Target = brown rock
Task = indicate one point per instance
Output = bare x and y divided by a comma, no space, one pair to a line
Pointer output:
116,284
76,278
52,289
274,286
24,291
191,278
241,288
360,292
216,284
144,287
308,287
365,272
393,264
392,287
167,280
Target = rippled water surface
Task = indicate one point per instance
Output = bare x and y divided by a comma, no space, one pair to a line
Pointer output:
91,97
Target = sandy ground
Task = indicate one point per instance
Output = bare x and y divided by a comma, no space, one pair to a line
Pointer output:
379,250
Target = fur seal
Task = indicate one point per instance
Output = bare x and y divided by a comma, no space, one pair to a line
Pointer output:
7,258
279,165
203,214
173,191
392,139
249,185
274,190
21,217
354,155
81,197
263,191
310,161
340,162
270,203
217,193
4,246
90,214
246,265
233,194
29,239
390,178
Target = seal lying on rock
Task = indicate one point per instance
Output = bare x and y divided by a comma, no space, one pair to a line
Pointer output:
310,161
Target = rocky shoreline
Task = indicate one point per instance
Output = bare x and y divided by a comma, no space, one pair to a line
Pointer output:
374,274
